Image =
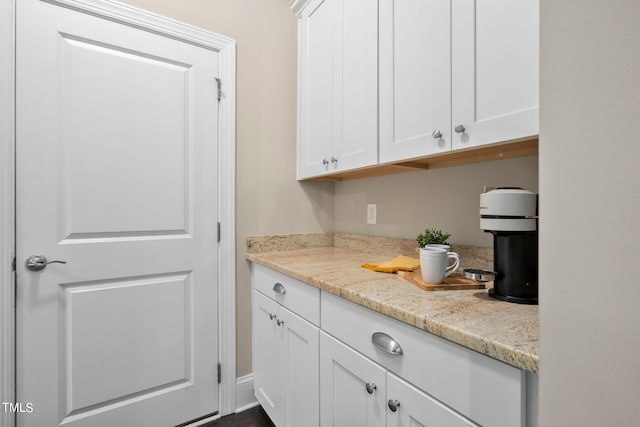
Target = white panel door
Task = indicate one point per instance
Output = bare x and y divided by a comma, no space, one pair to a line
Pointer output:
117,177
409,406
495,62
415,78
345,400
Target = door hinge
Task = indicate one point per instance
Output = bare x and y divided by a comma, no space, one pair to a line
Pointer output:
219,231
219,373
219,83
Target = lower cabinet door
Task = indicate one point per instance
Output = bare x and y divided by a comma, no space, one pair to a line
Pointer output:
352,387
299,361
409,406
285,364
268,383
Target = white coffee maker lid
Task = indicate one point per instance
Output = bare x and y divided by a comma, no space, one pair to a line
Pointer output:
508,209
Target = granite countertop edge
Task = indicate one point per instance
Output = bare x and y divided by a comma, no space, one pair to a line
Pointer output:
497,347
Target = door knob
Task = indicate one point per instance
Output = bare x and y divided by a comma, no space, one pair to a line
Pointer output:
39,262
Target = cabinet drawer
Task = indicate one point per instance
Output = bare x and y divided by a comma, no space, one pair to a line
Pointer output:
302,299
467,381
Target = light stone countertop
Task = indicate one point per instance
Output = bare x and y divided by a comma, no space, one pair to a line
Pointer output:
332,262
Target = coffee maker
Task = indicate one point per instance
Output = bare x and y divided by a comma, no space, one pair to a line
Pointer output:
510,214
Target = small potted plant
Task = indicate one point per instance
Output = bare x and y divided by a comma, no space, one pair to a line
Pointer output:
433,237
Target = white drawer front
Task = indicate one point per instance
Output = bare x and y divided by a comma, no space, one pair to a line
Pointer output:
487,391
302,299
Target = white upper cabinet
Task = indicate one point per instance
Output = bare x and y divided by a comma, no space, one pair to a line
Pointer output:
338,86
495,62
415,78
456,74
384,81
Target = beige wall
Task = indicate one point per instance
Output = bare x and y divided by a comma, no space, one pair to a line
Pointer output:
446,198
590,213
269,199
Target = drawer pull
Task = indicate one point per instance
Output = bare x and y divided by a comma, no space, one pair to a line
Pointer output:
272,316
386,343
280,322
279,288
393,405
370,387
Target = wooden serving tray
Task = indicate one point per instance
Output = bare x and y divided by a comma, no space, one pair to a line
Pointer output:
455,282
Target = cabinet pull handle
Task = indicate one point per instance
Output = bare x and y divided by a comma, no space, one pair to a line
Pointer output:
280,322
279,288
393,405
370,387
386,343
272,316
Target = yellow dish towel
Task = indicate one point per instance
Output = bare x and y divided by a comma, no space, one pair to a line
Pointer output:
400,262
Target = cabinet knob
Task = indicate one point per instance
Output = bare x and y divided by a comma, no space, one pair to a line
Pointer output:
279,288
459,129
272,316
437,134
334,160
393,405
325,162
280,322
370,387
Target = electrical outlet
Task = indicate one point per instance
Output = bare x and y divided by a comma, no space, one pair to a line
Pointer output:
372,213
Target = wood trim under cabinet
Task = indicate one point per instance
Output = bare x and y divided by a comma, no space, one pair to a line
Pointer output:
504,150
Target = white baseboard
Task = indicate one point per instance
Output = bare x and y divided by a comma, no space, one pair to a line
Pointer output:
244,399
244,393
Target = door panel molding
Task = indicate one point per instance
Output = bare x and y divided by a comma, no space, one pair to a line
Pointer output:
146,21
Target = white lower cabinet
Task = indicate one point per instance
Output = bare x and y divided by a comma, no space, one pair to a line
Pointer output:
285,364
410,406
352,387
356,392
320,360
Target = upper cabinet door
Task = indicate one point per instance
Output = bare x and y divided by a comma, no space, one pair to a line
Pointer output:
317,104
338,106
415,78
357,145
495,61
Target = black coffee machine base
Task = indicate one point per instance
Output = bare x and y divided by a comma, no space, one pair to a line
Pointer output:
510,298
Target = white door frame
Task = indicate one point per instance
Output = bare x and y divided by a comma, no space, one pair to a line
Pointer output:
226,174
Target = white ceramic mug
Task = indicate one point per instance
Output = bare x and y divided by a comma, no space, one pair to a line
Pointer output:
439,246
434,264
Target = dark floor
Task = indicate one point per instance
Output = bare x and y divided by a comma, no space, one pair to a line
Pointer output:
254,417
